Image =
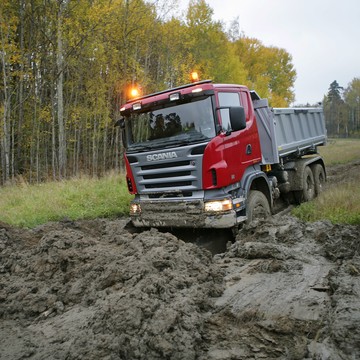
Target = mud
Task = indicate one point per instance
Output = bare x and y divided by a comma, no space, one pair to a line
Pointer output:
285,289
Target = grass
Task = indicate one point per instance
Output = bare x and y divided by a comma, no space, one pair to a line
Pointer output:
340,151
81,198
87,198
340,202
339,205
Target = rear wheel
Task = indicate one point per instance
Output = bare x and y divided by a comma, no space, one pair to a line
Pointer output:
257,206
308,192
319,178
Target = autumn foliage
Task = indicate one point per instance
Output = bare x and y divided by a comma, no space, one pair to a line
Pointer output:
66,67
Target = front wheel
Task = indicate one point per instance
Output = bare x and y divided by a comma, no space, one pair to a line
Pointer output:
257,206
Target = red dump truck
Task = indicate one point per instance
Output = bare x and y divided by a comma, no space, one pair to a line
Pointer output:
207,155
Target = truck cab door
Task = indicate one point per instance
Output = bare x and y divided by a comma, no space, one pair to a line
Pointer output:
240,148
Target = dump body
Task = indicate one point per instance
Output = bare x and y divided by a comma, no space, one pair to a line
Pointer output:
207,155
299,129
286,131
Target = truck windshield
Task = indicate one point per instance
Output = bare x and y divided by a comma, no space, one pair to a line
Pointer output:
171,125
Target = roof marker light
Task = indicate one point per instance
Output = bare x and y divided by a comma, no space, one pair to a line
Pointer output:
197,90
136,106
174,96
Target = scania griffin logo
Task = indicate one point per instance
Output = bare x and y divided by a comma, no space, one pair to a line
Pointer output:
161,156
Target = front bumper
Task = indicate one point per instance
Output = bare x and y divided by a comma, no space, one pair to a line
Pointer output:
181,213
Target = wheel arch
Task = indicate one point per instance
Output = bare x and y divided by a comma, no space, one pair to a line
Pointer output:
319,161
258,180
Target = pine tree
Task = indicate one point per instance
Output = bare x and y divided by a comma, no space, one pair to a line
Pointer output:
334,110
333,95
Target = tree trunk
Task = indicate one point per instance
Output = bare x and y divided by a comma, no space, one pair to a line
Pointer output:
53,146
60,98
19,165
94,149
105,148
5,139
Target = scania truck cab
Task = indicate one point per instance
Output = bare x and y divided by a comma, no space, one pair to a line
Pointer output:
205,155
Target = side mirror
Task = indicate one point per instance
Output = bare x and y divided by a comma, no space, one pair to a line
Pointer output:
121,123
237,118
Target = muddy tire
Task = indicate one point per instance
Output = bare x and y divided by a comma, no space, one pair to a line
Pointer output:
319,178
308,192
257,206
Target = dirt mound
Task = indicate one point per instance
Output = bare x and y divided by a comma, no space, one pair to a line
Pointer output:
92,289
291,292
96,291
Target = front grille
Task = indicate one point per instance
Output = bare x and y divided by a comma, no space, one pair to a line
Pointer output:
165,165
159,176
168,178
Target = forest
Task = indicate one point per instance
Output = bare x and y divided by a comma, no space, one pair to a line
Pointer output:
342,109
67,66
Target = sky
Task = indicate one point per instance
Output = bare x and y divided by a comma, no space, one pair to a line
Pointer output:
322,36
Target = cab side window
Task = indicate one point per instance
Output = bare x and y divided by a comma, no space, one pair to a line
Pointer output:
245,98
227,99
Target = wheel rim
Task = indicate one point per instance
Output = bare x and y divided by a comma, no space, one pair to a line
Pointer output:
310,186
321,180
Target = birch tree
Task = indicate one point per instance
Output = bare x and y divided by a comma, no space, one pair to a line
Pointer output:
9,53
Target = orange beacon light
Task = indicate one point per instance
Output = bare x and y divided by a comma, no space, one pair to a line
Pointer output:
134,92
194,76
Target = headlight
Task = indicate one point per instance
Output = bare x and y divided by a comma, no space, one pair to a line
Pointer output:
135,209
218,205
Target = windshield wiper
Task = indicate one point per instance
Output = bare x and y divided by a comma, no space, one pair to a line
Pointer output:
139,147
183,139
197,136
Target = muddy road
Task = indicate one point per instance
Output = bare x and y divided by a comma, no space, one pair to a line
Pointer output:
285,289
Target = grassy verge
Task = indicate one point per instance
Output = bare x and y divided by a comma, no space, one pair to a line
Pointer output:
84,198
340,202
339,205
340,151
